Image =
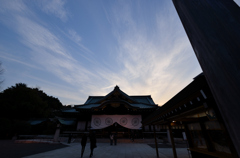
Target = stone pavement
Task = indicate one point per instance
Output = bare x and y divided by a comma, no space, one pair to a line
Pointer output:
104,150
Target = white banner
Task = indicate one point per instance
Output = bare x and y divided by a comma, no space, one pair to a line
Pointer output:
127,121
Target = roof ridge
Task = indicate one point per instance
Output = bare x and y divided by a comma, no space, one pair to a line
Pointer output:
139,95
95,96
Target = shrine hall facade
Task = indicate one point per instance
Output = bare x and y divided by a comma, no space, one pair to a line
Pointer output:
115,112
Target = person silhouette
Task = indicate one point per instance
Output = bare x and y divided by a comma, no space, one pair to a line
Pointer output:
115,138
83,143
111,138
70,138
93,142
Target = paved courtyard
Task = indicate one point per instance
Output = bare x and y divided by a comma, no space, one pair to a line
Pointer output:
104,150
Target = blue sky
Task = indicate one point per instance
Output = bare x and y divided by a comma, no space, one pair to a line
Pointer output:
73,49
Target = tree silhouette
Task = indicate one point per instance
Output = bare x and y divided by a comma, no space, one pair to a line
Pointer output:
19,104
22,102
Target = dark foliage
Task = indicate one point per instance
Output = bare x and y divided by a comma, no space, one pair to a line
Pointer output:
20,103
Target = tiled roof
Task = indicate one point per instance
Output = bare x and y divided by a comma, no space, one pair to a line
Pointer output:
135,101
143,99
86,106
93,99
143,106
140,99
37,121
68,110
67,121
89,106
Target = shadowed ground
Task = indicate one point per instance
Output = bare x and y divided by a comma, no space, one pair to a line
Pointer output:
124,149
9,149
168,145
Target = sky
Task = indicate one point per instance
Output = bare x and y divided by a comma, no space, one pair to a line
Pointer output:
75,49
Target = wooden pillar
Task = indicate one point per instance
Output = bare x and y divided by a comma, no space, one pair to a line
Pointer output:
57,133
172,141
169,137
212,27
188,135
156,144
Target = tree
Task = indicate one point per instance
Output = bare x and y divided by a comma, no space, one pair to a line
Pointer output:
20,103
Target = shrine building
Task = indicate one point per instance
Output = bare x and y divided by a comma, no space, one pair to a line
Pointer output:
115,112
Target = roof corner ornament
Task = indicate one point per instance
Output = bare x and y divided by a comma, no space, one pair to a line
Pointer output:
116,87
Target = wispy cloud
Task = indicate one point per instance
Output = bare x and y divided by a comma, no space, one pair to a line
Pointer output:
74,36
14,59
70,95
13,6
35,35
48,50
77,39
151,57
55,7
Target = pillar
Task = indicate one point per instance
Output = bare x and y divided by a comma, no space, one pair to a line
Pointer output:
57,133
156,144
172,141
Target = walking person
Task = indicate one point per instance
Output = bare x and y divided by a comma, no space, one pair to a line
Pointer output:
70,138
132,135
83,143
111,138
93,142
115,138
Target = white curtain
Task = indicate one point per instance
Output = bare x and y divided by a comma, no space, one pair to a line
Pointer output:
127,121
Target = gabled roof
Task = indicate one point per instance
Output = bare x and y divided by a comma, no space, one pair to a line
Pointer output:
142,102
143,106
67,121
116,92
37,121
137,105
68,110
93,99
144,99
147,99
86,106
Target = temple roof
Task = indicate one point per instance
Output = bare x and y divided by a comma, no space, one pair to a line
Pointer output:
145,99
142,101
93,99
143,106
68,110
67,121
89,106
37,121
